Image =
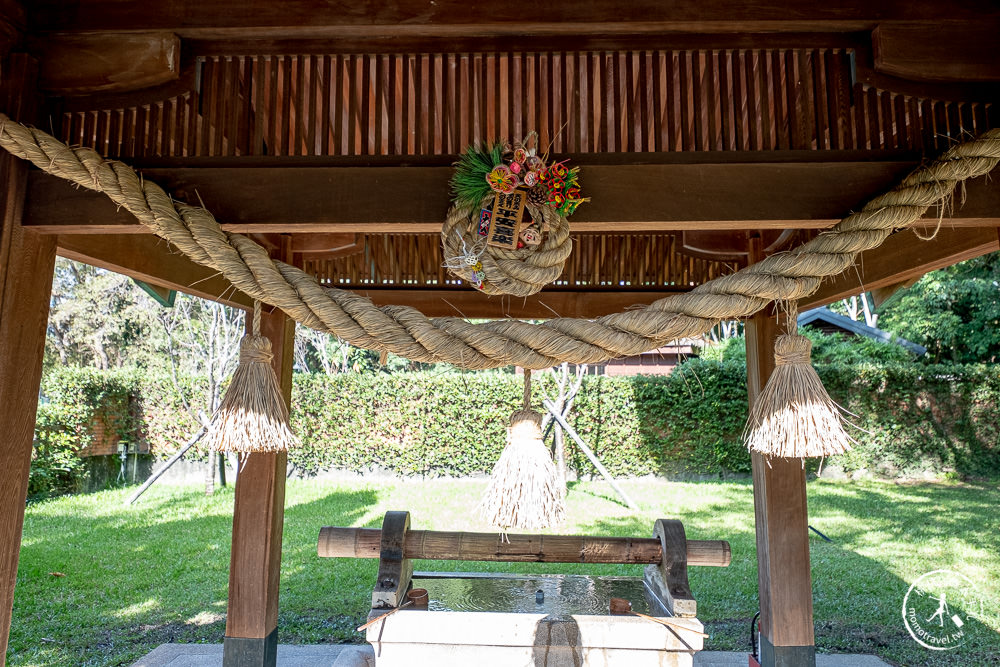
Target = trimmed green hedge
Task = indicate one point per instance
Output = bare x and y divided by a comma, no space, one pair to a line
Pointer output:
913,418
147,409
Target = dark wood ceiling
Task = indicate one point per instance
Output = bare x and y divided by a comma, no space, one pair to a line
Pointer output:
316,118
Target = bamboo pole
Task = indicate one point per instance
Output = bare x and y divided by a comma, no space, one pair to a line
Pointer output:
172,460
590,455
337,542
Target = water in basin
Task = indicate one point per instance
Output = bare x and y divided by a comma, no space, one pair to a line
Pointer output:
561,595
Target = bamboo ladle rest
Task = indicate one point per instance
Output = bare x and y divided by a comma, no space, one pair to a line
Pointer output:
667,553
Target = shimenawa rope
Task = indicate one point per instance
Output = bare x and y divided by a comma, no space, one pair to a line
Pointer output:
408,333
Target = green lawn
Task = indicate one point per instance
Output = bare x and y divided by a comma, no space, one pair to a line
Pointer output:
136,577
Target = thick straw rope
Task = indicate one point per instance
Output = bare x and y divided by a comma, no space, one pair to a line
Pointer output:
408,333
515,272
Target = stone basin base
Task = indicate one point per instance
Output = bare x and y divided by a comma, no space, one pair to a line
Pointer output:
437,636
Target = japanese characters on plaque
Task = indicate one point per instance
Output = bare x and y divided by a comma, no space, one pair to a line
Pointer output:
505,219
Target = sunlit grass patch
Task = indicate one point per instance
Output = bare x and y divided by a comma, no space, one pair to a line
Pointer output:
138,576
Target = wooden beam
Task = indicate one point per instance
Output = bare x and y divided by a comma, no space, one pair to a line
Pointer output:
258,516
147,258
639,198
926,53
336,18
781,518
13,21
492,43
545,305
26,264
904,257
78,64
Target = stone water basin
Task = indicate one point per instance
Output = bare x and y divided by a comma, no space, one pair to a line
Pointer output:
498,620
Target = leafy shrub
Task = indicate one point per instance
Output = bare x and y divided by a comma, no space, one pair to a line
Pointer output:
913,418
72,399
828,348
55,466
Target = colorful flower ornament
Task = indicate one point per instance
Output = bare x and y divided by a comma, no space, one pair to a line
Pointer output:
501,179
517,198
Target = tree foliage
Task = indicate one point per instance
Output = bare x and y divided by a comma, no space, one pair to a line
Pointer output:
828,348
954,312
99,319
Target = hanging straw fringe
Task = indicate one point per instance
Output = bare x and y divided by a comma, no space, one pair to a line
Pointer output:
794,416
524,493
253,416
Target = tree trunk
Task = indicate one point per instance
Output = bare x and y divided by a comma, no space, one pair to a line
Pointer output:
560,455
210,475
222,469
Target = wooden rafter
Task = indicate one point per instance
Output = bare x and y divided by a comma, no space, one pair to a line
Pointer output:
904,257
581,101
151,260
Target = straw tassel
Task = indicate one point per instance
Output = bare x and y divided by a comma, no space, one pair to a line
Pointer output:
253,416
524,492
794,416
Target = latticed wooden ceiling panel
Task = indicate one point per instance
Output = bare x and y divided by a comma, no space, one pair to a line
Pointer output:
424,108
579,102
606,261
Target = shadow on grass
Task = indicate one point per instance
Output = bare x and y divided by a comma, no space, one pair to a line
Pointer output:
159,572
857,599
581,487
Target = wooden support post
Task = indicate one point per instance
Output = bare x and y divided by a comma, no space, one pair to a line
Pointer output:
255,567
780,513
26,264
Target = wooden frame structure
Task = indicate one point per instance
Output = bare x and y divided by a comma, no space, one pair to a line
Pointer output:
327,128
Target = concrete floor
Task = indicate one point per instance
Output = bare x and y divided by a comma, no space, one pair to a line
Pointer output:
353,655
210,655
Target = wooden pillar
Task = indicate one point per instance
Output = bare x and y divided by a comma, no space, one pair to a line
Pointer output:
26,264
780,514
255,566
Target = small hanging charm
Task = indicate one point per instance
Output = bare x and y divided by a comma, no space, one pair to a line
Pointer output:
524,492
794,416
253,416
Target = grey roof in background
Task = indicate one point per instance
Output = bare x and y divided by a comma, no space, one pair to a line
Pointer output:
858,328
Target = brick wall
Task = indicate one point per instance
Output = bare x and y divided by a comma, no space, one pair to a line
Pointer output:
105,437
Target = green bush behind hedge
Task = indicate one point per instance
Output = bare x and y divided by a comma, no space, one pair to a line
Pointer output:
911,418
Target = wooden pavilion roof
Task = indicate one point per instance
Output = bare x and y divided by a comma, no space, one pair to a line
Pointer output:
335,131
327,128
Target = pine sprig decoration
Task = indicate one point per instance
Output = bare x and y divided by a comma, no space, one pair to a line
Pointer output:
468,183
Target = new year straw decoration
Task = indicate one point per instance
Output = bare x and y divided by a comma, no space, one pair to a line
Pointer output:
253,416
794,416
524,492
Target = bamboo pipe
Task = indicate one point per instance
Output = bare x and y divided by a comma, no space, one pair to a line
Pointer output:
337,542
670,624
389,613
